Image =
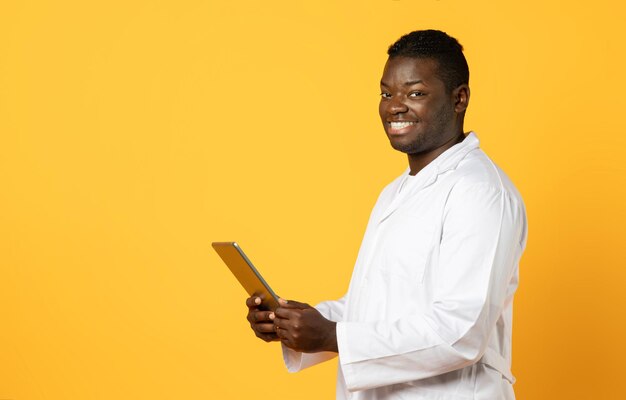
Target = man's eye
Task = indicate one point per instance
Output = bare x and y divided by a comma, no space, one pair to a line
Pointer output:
385,95
416,94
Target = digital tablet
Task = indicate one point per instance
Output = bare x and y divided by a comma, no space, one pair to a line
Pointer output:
246,274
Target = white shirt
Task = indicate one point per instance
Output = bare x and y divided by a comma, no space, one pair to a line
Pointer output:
429,309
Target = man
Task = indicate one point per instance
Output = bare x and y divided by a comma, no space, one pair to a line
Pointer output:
429,309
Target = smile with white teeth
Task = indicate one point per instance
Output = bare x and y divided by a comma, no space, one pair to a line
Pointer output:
400,124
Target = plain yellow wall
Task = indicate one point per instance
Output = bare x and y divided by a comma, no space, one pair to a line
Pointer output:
134,133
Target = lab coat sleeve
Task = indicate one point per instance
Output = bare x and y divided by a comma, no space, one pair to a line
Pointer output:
482,238
296,361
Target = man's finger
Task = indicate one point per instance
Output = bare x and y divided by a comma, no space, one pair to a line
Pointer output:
253,302
260,316
264,316
281,332
265,328
292,304
285,313
280,324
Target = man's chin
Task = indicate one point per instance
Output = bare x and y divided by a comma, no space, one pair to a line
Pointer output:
407,148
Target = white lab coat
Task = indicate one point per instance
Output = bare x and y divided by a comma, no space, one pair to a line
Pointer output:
429,309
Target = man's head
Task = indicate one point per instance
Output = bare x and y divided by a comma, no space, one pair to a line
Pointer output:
424,93
438,46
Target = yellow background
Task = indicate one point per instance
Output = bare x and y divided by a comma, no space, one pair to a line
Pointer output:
134,133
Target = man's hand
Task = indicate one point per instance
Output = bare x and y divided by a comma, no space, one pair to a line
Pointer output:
302,328
261,322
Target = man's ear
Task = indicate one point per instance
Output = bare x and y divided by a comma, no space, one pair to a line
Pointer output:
461,97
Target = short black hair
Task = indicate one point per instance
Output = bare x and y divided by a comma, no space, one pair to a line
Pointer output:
438,46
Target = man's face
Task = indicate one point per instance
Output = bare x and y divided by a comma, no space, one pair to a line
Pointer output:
417,112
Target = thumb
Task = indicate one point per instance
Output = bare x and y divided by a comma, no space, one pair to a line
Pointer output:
293,304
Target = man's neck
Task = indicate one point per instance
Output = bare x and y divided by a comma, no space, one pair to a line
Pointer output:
418,161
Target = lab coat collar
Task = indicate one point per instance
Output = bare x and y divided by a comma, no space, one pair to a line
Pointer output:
453,156
447,161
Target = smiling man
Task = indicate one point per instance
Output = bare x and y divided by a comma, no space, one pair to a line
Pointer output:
428,311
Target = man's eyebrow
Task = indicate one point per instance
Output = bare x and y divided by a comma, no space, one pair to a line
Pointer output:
409,83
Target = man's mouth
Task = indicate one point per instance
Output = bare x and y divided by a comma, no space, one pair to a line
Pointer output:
400,124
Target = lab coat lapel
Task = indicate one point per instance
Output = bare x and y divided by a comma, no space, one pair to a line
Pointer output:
428,175
411,187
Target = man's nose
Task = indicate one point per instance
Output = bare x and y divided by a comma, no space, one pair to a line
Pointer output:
397,106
